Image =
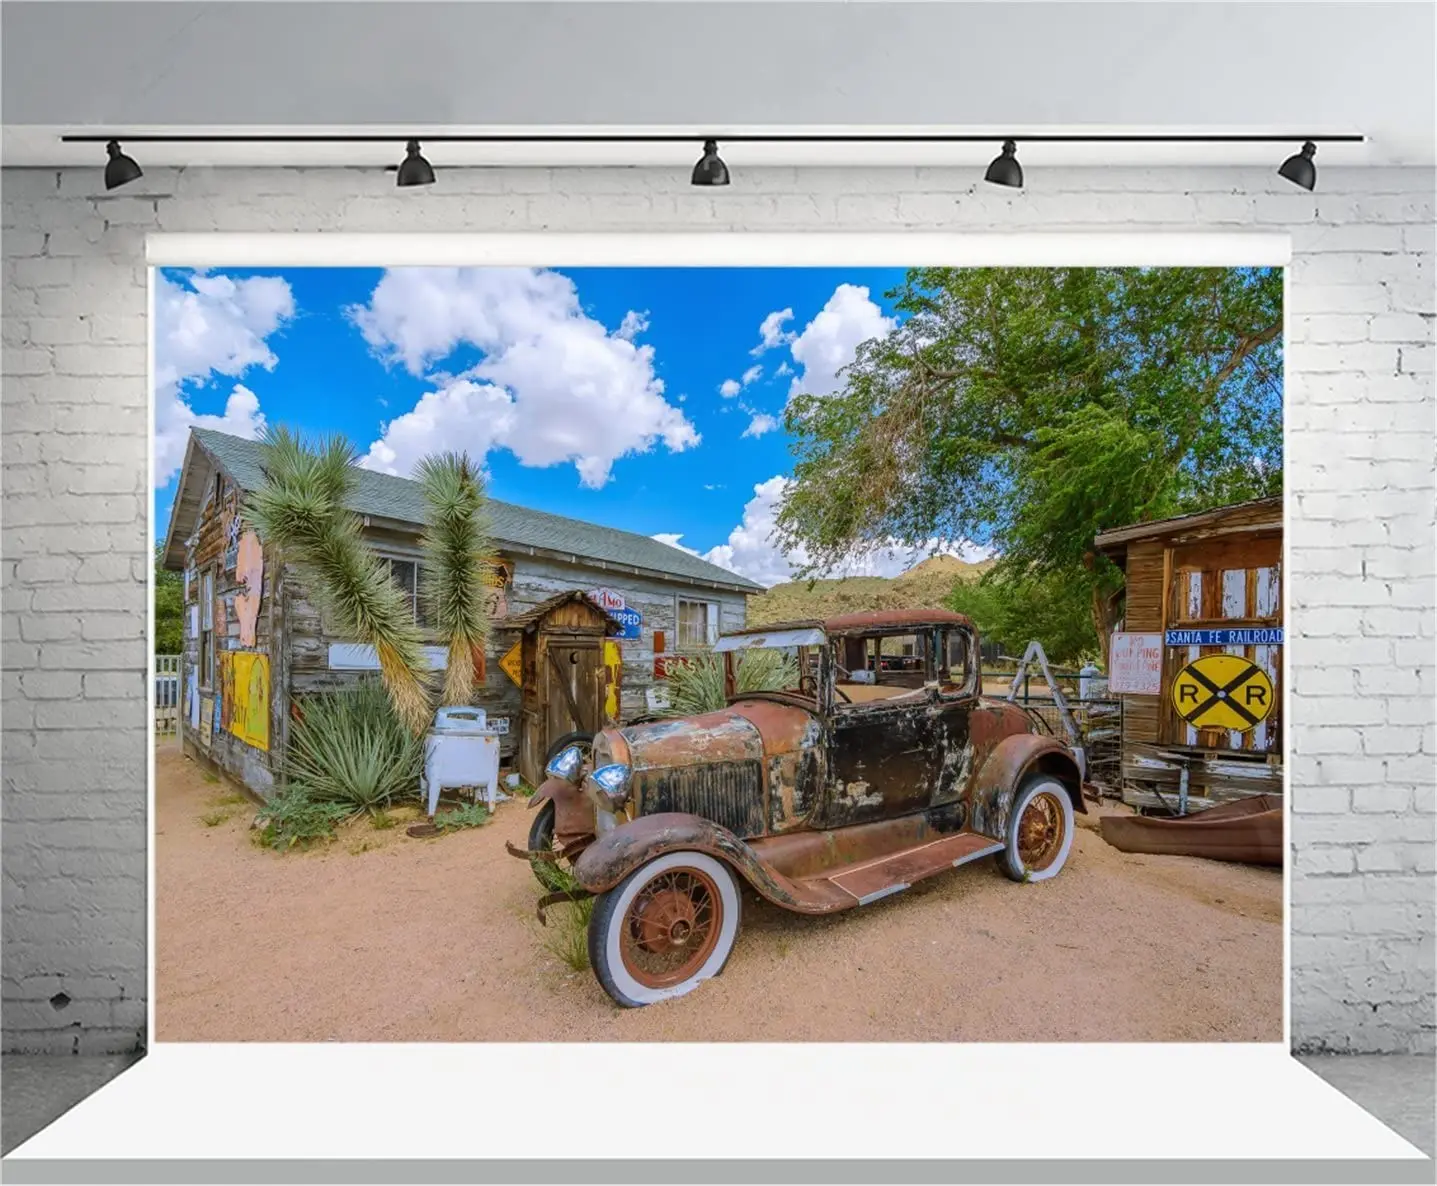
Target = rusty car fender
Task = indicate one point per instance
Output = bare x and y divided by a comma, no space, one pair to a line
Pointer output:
573,811
1011,761
618,853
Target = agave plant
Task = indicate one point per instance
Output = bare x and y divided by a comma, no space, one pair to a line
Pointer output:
696,684
349,748
456,556
300,507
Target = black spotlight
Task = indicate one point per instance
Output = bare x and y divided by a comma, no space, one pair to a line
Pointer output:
710,170
1299,168
119,169
414,169
1005,169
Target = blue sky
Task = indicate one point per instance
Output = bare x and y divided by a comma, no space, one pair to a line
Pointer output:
645,399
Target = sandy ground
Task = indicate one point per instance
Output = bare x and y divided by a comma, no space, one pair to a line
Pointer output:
381,937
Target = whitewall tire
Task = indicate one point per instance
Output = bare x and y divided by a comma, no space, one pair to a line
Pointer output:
665,929
1040,831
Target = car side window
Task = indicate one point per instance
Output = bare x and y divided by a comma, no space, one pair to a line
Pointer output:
958,674
882,670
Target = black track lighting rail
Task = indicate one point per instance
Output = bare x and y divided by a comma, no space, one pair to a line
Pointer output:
735,138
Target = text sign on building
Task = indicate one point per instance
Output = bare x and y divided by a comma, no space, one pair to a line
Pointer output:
1135,664
1238,636
607,600
630,623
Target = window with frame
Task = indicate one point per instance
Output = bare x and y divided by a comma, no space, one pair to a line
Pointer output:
207,628
409,576
698,624
892,667
957,676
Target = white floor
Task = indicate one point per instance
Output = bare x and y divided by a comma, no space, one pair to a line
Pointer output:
789,1101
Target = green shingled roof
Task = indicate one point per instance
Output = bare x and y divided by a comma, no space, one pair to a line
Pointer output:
385,496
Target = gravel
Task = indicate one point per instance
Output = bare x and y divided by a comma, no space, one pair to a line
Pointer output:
381,937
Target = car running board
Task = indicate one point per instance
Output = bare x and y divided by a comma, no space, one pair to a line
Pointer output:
870,880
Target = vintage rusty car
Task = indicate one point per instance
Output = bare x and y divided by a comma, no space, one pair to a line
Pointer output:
882,765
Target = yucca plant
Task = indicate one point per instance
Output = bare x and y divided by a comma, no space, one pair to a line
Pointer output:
350,748
695,685
300,507
456,558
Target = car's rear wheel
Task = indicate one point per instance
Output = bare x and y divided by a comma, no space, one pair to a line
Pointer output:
1040,831
666,928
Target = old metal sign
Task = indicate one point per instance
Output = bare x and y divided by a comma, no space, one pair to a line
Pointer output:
1135,664
1223,692
512,665
1244,636
630,624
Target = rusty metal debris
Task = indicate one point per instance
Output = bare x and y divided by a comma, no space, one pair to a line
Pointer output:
557,896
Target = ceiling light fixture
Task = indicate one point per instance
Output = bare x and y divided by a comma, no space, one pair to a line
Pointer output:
120,169
414,169
1299,168
710,169
1005,169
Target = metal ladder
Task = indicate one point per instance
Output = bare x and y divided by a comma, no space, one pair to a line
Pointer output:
1034,654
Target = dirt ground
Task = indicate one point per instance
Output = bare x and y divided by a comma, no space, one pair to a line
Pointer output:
381,937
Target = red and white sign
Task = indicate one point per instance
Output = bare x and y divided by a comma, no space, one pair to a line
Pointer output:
607,600
1135,664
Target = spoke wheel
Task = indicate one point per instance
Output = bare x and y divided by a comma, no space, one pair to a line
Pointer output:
671,928
665,929
1040,830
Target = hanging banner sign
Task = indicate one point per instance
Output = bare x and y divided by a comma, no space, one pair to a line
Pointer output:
1246,636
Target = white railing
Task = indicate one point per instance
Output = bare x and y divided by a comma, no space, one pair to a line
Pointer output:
168,695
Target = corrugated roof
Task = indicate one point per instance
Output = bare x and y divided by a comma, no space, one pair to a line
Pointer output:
385,496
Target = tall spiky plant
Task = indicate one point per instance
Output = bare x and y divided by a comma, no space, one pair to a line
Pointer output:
456,560
300,507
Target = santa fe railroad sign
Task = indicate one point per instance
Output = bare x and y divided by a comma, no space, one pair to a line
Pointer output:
1223,692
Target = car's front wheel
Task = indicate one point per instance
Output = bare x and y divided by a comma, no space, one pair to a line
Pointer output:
666,928
1040,831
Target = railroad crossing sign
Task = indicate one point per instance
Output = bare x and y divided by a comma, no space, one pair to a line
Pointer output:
1223,692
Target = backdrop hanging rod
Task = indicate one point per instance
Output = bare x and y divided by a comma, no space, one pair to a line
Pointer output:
735,138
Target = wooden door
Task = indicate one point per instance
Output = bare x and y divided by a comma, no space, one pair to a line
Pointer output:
573,684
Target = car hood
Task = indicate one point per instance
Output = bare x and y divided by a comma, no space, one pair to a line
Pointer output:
745,730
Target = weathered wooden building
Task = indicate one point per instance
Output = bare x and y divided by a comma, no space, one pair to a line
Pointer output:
1197,586
247,656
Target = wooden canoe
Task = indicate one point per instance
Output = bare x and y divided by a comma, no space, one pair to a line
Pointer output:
1247,830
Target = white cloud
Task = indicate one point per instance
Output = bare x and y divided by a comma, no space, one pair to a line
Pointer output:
633,324
750,550
208,326
761,423
672,539
830,341
782,370
554,385
730,388
752,375
771,332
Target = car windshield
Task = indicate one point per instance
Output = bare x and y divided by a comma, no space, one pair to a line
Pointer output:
780,661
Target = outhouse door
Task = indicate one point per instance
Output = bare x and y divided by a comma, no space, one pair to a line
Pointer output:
571,678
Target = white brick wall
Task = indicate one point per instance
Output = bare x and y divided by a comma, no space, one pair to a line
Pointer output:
1359,467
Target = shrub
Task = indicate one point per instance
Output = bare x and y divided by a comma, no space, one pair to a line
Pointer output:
471,815
696,684
566,935
292,819
351,749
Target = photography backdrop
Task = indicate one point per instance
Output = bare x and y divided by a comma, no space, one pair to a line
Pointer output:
1359,359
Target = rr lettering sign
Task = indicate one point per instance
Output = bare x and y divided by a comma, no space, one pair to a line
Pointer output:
1223,692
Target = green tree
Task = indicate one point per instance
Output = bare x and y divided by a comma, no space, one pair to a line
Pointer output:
1014,611
169,607
1034,407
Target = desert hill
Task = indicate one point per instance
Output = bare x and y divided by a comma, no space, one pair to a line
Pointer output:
924,586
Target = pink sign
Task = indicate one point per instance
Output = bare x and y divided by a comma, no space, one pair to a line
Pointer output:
1135,664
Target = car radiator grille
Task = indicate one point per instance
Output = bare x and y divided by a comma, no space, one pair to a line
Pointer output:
728,793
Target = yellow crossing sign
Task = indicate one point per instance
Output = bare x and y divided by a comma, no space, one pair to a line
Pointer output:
1223,692
512,665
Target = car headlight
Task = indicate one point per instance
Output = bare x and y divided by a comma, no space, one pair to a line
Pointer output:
566,764
612,783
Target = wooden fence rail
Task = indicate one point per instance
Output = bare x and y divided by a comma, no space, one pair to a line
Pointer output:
167,695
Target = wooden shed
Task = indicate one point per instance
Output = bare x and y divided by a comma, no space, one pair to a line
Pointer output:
1201,585
570,675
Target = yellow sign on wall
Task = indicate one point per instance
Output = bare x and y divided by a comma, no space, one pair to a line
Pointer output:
249,702
614,662
1223,692
513,665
